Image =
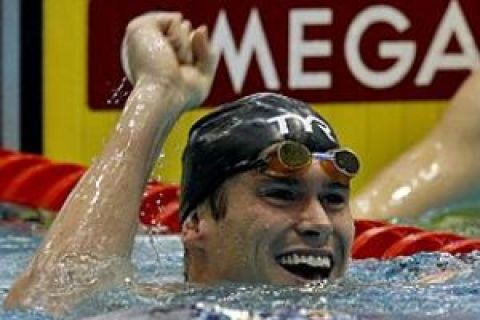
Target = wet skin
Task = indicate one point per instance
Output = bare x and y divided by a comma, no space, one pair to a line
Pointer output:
270,219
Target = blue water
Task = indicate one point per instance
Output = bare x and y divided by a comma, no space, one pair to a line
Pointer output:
371,288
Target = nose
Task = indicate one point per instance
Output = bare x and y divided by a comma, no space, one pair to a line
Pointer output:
314,226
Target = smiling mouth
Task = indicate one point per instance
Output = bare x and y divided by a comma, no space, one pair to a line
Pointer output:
307,266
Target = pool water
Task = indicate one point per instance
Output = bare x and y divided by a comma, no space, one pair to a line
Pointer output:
406,287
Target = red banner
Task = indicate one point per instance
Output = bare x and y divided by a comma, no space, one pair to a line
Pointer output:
317,51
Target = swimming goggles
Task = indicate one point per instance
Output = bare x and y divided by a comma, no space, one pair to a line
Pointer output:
289,157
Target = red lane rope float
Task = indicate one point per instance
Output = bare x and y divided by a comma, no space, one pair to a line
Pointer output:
389,241
30,186
461,246
373,242
5,152
169,217
56,195
160,206
11,166
364,225
423,241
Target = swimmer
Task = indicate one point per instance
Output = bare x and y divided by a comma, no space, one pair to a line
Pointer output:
440,169
264,193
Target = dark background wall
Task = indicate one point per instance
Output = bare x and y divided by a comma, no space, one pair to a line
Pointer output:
31,75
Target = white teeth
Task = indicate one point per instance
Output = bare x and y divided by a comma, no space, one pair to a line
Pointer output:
296,259
318,261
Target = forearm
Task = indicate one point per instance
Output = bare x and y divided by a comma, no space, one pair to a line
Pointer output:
109,195
415,182
97,225
439,169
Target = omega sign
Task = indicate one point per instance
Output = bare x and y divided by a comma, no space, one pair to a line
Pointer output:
318,51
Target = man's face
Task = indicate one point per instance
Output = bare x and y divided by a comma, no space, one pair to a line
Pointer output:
277,229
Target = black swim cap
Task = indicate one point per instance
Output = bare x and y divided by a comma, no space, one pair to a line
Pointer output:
228,140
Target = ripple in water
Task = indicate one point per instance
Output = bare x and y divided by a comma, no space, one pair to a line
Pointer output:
427,284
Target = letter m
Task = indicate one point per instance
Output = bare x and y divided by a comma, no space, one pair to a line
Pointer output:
253,42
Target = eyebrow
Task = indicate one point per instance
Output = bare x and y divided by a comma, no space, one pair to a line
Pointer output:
295,182
287,180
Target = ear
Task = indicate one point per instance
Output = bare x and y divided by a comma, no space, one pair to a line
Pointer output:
191,231
191,223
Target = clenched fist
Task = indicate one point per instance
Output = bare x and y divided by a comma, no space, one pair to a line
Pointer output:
162,48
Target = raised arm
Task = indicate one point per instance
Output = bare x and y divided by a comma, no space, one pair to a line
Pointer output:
439,169
90,242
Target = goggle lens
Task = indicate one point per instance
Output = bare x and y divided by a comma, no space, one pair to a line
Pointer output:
289,156
293,155
347,161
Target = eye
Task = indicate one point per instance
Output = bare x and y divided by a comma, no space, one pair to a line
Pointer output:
334,201
279,194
